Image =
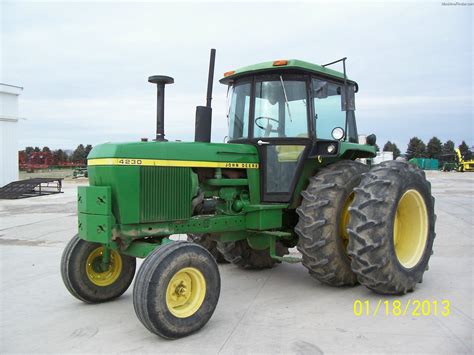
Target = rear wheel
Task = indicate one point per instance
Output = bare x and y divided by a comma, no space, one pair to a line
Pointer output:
241,254
85,277
323,218
176,290
211,245
392,228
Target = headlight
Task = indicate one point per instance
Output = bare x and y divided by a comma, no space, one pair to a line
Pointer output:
337,133
331,148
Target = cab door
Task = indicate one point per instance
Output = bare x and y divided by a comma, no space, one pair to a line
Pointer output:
279,128
281,163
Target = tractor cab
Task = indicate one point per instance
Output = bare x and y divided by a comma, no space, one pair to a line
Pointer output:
291,111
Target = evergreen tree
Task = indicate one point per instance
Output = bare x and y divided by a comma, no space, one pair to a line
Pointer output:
88,149
66,157
392,147
448,147
79,155
465,151
46,150
387,147
37,149
434,148
416,148
448,153
59,156
28,151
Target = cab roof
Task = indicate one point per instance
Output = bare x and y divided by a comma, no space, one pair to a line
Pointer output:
282,65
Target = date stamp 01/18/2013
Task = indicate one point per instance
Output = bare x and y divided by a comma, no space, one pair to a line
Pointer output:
399,308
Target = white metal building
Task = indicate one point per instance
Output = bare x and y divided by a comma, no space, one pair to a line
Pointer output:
9,133
383,156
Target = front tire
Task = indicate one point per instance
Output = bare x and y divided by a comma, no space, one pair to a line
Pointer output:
392,228
176,289
323,218
86,281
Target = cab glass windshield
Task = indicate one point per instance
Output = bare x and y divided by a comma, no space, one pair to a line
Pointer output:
280,109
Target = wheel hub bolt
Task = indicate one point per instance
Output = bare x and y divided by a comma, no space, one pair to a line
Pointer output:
181,289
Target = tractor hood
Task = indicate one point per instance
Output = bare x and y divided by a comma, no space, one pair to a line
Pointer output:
155,181
190,154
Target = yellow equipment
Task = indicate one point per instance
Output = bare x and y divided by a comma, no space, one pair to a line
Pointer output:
464,165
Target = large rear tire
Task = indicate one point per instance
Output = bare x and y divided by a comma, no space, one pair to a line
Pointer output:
323,218
85,280
176,289
242,255
211,245
392,228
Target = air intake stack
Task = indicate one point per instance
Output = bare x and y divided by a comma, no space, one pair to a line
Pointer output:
204,113
160,81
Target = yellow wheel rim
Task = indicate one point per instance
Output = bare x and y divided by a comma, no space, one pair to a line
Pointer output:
410,229
185,292
345,217
107,277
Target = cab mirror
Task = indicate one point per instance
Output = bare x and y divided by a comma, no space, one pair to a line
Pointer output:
371,139
350,101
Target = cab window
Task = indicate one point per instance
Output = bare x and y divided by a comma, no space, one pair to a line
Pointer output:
280,108
239,111
328,112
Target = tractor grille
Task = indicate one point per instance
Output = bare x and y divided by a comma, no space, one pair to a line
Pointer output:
165,193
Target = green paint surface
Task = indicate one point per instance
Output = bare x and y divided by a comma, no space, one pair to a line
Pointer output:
186,151
293,64
133,208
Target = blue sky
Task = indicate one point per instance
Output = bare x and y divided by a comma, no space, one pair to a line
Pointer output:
84,66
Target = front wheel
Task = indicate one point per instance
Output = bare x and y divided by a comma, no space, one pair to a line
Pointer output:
177,289
85,277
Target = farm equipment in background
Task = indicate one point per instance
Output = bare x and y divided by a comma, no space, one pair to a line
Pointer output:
31,188
80,172
448,166
287,177
455,162
35,161
463,165
44,160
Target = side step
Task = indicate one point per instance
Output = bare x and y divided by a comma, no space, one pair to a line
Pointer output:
31,188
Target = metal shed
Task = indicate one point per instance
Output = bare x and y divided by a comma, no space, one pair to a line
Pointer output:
9,133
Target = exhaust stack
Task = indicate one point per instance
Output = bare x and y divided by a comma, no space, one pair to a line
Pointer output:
160,81
204,113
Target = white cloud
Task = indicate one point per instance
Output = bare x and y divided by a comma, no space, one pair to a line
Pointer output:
429,101
84,65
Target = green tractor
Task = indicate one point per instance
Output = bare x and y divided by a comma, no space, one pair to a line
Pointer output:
288,176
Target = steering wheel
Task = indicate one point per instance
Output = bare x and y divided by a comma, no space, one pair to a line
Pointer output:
269,128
